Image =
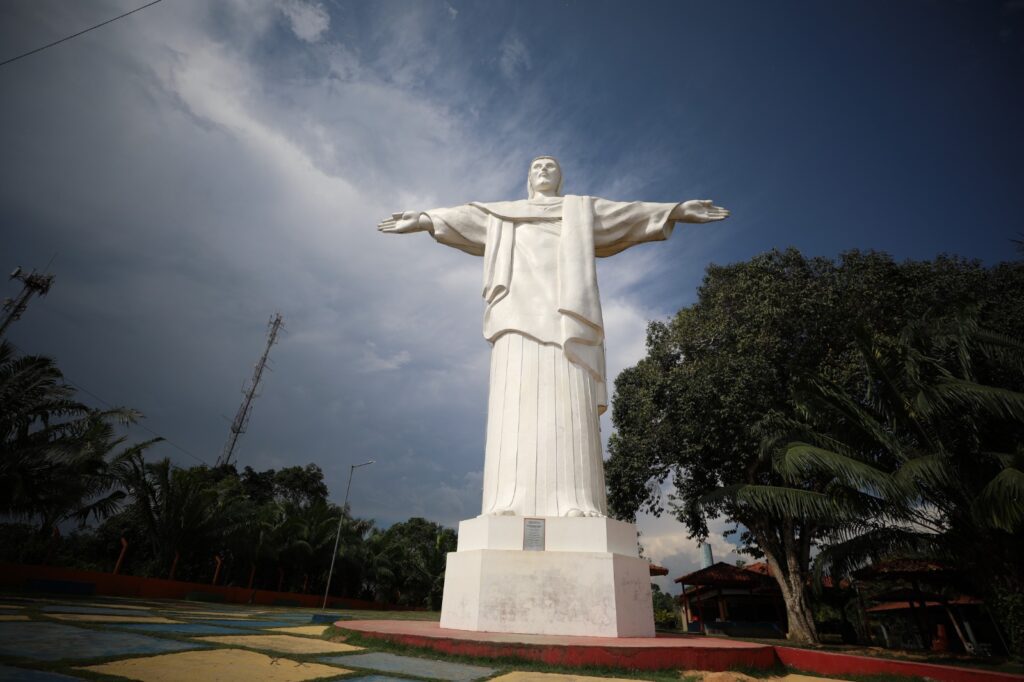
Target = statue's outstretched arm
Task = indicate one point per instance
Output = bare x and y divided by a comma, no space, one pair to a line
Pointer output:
405,222
698,211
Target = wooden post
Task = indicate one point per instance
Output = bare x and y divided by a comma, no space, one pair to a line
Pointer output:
120,557
174,566
252,575
216,573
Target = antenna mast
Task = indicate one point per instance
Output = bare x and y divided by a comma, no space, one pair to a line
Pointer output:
33,283
241,421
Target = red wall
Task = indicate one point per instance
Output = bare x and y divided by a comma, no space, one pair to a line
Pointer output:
17,577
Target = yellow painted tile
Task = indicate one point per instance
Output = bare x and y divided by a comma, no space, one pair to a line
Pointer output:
106,605
314,630
212,615
555,677
222,665
286,644
9,606
5,618
99,618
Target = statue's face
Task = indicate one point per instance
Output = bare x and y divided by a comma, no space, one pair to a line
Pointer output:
545,175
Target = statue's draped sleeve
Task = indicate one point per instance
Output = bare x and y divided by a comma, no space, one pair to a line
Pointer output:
461,227
619,225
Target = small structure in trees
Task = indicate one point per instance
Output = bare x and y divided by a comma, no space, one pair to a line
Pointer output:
733,600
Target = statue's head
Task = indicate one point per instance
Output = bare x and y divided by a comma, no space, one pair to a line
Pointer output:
545,175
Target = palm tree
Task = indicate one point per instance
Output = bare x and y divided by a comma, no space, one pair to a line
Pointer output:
939,452
182,512
55,452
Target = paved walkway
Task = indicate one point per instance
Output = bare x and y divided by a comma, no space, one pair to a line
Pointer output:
51,640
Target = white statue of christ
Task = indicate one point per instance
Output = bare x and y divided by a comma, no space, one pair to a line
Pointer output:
543,320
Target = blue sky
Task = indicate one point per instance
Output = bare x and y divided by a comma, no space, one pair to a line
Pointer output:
197,166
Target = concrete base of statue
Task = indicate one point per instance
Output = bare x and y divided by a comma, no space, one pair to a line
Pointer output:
548,576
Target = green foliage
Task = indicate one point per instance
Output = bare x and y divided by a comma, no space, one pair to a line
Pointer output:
665,610
56,453
61,460
408,562
716,405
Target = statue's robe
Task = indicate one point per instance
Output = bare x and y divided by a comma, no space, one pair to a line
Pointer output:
543,319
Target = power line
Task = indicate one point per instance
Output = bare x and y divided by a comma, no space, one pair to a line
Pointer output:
138,424
83,389
75,35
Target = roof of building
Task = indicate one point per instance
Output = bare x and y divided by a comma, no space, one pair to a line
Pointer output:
901,568
658,570
722,574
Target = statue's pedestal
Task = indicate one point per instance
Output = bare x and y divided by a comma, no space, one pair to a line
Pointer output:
548,576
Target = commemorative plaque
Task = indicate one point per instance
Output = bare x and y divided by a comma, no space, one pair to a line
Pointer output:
533,535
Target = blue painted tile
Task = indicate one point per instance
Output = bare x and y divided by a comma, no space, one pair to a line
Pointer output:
53,641
421,667
327,618
178,628
249,623
8,674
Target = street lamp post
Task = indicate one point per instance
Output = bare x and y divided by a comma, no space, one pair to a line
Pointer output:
337,538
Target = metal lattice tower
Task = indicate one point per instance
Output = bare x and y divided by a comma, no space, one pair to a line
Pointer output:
241,421
33,284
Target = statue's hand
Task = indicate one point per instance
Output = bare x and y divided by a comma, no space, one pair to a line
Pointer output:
700,211
402,223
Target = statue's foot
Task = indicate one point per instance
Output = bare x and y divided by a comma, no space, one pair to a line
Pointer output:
578,513
500,512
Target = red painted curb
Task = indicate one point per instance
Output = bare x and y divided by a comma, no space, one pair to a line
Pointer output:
827,663
645,656
650,653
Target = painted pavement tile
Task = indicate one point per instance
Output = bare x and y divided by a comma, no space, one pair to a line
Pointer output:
110,605
7,617
92,610
222,665
420,667
53,641
377,678
205,615
249,623
122,618
286,644
8,674
180,628
328,617
555,677
312,630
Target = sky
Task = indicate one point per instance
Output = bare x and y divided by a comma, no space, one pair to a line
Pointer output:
191,169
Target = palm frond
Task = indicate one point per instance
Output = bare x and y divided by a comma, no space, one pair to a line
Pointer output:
840,559
781,502
958,393
801,459
1001,502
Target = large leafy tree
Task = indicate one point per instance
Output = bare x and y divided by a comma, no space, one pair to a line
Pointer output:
704,406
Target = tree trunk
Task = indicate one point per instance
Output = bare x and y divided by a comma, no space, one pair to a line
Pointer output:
787,560
798,612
